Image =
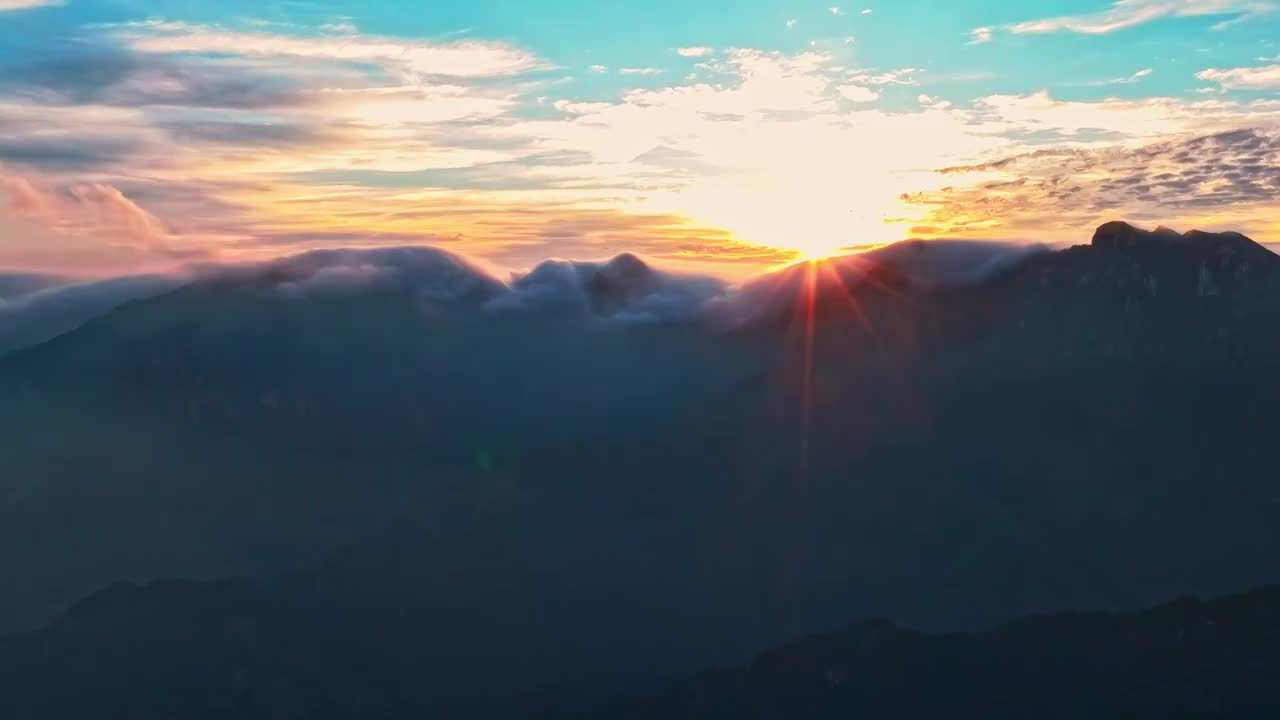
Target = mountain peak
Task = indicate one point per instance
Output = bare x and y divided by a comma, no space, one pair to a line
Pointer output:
1123,237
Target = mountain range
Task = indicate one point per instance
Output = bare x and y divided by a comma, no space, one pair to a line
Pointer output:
389,484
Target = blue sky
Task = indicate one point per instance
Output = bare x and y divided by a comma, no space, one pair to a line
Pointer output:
701,133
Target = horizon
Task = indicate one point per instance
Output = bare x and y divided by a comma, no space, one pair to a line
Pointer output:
150,136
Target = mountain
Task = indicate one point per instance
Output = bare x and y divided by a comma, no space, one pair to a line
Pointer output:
628,475
38,308
260,419
1185,659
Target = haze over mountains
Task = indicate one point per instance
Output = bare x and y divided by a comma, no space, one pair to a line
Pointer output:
461,496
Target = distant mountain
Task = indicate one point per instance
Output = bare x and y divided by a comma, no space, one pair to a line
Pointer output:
617,476
1186,659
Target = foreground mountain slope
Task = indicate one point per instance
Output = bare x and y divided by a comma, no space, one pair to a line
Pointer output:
853,444
1187,659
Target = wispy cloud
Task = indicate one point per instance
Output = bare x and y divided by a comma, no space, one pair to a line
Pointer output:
639,71
1126,80
900,76
469,59
95,210
1124,14
26,4
694,52
1264,77
791,23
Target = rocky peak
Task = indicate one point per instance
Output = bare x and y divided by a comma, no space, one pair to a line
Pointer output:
1203,263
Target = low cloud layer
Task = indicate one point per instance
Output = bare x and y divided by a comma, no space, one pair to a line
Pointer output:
625,292
39,308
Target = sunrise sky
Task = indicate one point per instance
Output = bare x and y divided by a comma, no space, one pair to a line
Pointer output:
726,137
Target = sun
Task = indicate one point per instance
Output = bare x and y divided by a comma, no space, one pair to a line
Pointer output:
812,218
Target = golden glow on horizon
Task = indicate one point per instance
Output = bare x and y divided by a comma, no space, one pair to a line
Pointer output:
758,158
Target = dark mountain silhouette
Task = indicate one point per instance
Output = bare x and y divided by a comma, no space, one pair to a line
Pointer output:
596,479
259,420
1186,659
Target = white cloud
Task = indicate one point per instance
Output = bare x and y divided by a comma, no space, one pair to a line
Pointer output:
1124,14
933,103
834,10
868,11
1254,78
901,76
694,51
858,93
470,59
600,68
26,4
981,35
639,71
792,23
1127,80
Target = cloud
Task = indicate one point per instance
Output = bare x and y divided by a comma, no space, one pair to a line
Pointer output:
901,76
948,263
469,59
1126,80
26,4
791,23
623,291
66,153
1133,78
834,10
639,71
1125,14
600,68
694,52
97,210
981,35
867,11
282,143
1251,78
16,285
858,93
1224,179
125,79
38,316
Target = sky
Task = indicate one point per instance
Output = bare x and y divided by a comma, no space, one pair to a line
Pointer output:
139,135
